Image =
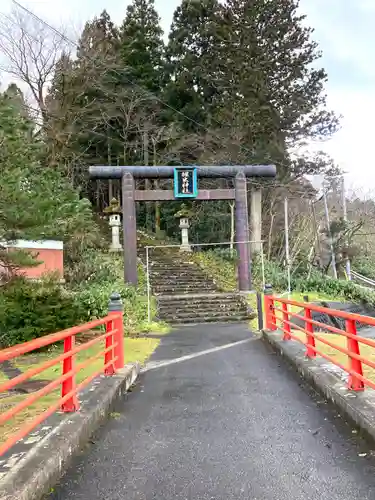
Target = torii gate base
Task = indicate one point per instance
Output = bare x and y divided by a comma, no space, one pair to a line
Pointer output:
130,195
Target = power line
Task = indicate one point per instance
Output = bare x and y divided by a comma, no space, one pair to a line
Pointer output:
134,84
161,101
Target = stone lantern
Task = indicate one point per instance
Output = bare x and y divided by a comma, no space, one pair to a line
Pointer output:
114,212
183,215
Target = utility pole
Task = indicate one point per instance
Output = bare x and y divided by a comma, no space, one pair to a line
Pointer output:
333,258
345,216
287,252
316,229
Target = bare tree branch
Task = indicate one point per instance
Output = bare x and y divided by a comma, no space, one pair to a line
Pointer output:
29,52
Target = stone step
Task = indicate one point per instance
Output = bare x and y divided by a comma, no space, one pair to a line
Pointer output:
184,284
182,313
212,313
181,274
186,300
204,285
173,265
217,319
183,279
178,279
210,298
176,269
181,291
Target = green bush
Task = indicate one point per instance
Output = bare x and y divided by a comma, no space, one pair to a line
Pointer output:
29,310
218,265
93,294
337,288
226,254
365,266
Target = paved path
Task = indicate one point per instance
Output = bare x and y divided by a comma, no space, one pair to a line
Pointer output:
230,424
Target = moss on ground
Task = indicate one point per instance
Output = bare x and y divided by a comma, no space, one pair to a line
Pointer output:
223,272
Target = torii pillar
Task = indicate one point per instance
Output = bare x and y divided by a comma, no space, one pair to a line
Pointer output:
242,233
129,229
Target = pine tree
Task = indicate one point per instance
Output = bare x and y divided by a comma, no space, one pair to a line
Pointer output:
142,46
193,65
35,202
16,98
142,54
276,86
94,89
63,113
98,39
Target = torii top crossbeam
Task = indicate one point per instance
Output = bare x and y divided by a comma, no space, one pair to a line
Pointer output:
165,172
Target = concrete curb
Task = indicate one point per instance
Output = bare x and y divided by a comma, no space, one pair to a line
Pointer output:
358,407
33,473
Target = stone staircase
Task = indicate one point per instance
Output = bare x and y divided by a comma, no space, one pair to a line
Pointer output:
186,295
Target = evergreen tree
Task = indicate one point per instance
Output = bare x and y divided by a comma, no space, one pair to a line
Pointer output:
16,98
193,65
95,80
62,111
276,85
35,202
142,53
142,46
98,39
87,90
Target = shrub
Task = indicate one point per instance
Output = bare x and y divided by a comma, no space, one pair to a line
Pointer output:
29,310
223,270
93,294
365,266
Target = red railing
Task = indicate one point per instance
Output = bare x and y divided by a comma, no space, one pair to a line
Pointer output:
113,360
281,318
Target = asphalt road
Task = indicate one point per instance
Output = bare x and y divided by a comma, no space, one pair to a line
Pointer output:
230,424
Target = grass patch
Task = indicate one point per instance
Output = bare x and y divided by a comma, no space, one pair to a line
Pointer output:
135,349
341,341
223,272
338,340
313,297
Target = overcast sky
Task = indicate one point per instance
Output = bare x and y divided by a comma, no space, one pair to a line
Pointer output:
346,34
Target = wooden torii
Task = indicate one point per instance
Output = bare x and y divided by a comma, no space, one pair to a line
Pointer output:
185,186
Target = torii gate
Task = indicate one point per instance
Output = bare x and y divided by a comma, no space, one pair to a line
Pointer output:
185,186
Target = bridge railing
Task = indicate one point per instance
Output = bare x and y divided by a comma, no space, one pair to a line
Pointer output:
111,352
282,314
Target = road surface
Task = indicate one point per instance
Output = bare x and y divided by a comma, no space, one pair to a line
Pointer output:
221,424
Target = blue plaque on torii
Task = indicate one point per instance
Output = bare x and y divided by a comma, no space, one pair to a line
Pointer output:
185,182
